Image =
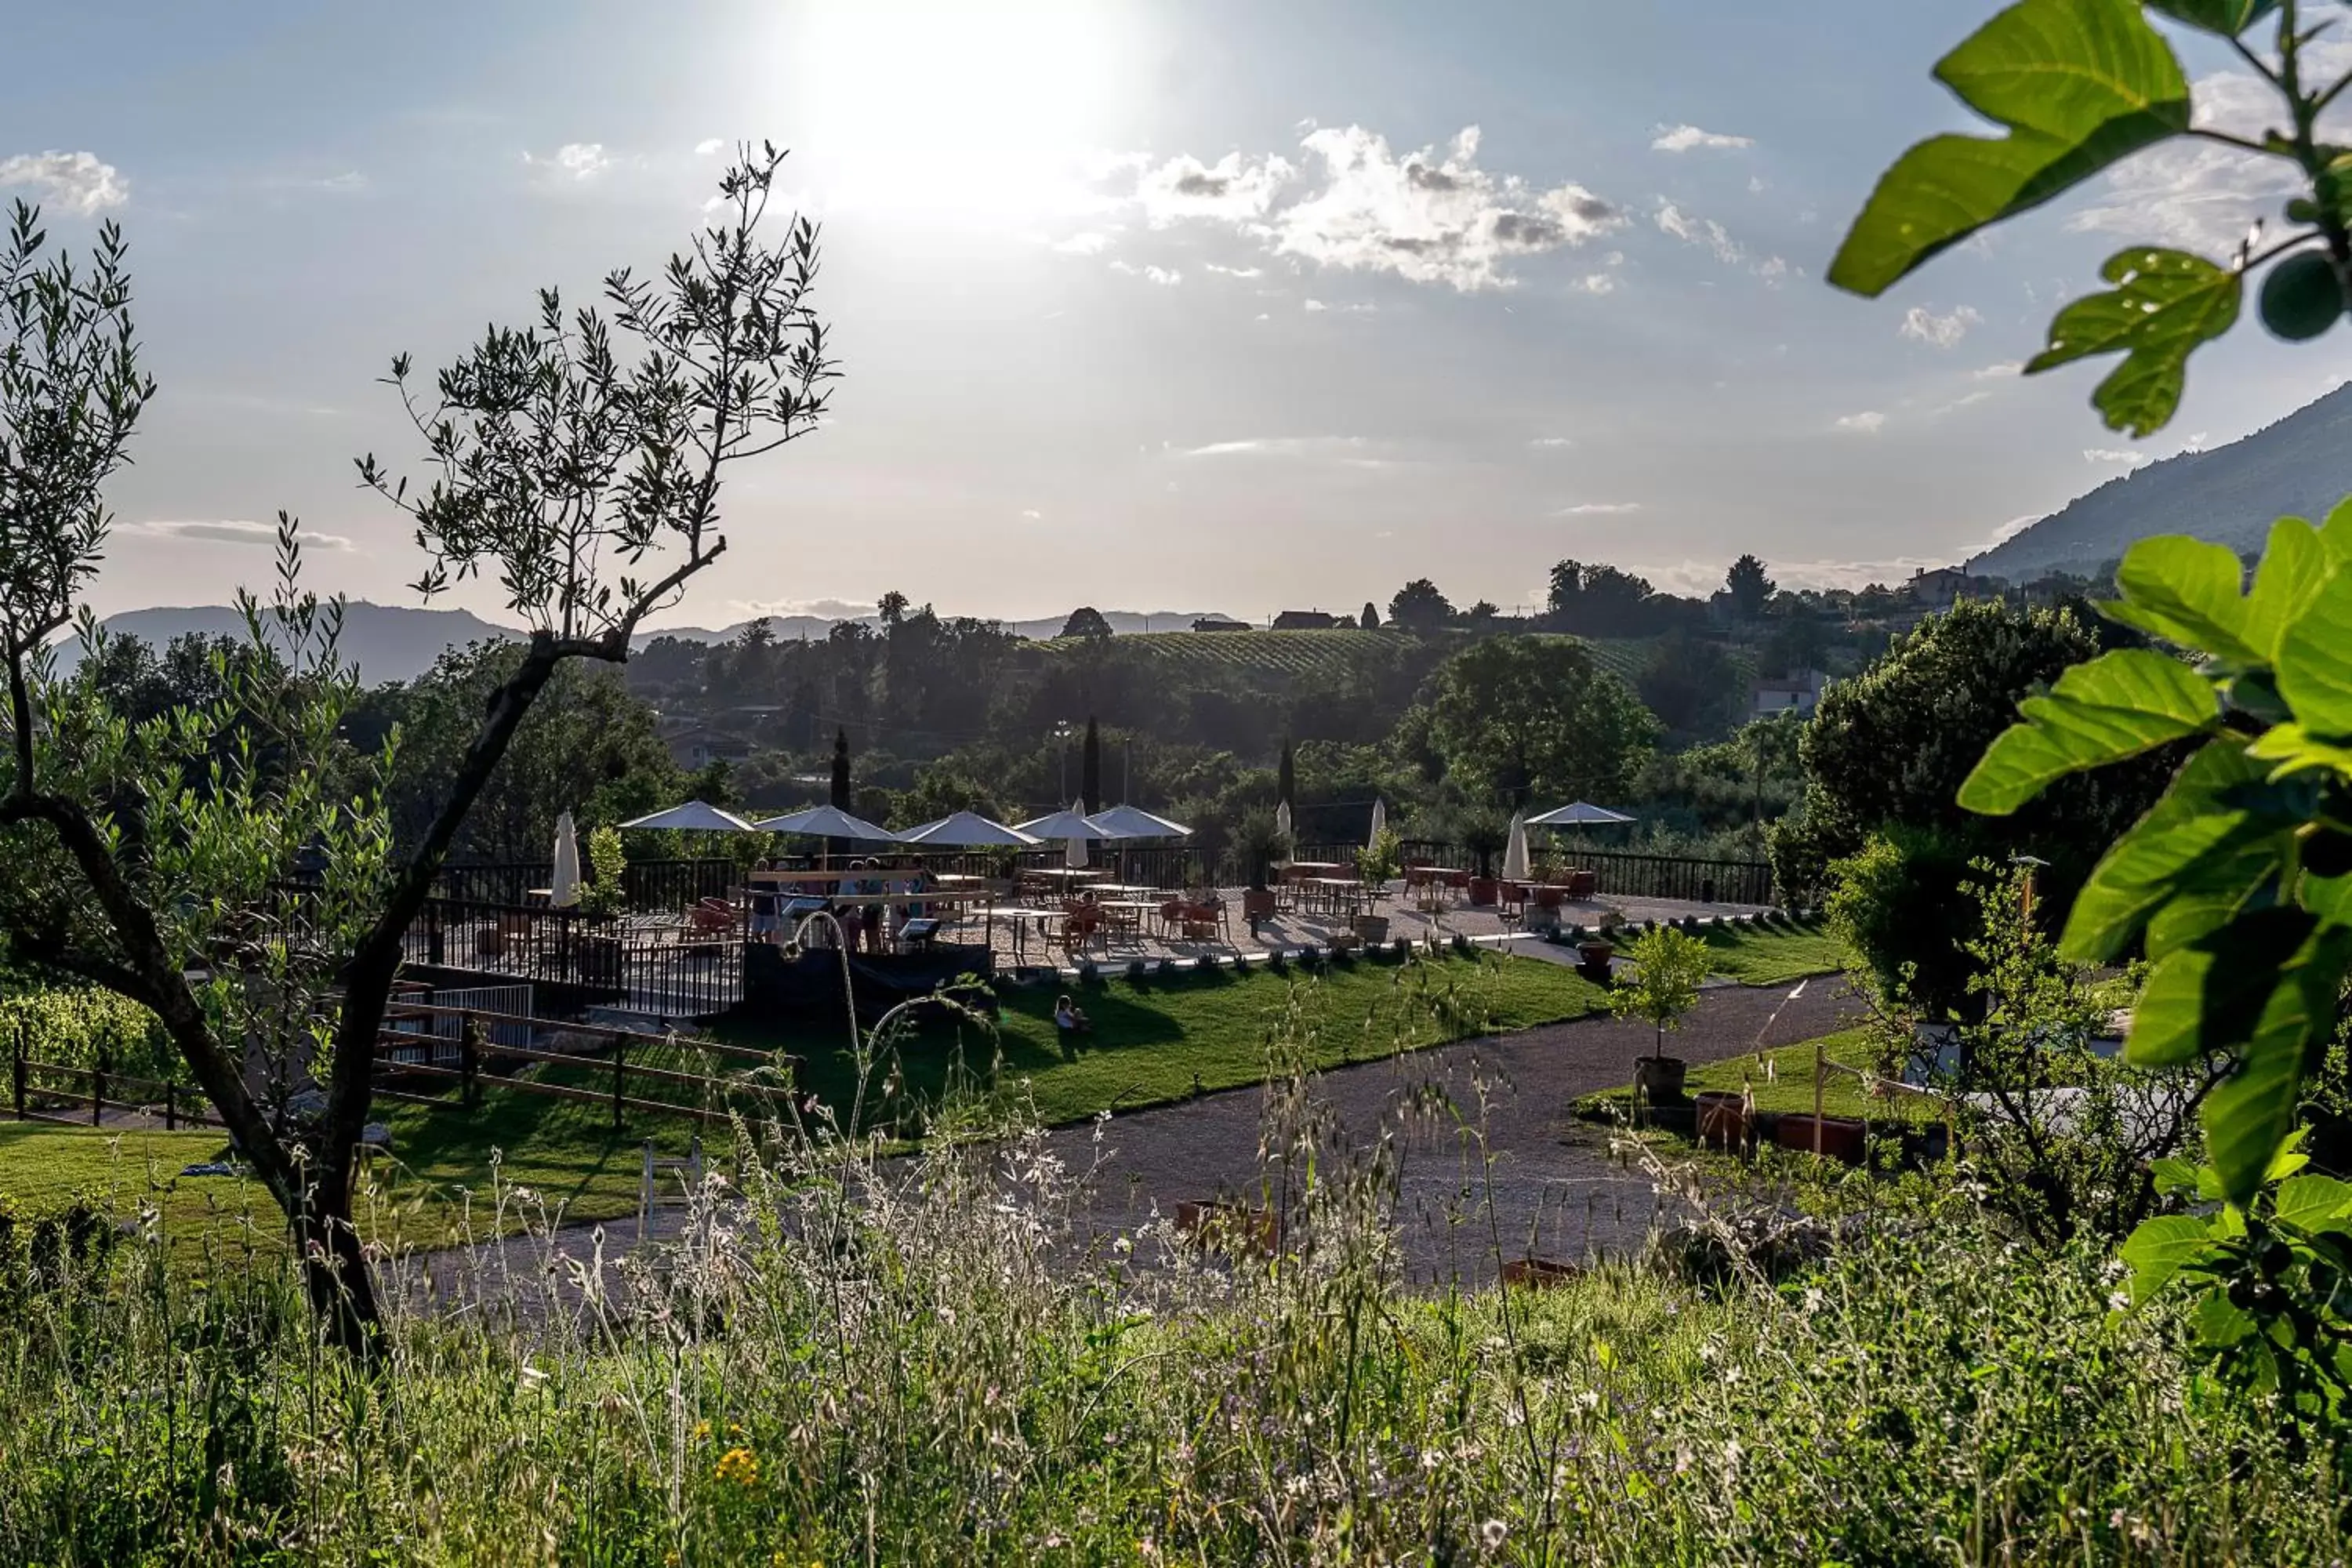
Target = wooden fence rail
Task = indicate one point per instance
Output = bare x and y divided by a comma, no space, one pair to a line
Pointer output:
28,1100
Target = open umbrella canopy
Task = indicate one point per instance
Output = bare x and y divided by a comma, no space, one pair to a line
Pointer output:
827,822
564,887
696,817
1515,853
1071,824
1134,822
966,830
1578,814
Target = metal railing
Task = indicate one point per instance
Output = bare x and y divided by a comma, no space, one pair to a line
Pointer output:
1623,874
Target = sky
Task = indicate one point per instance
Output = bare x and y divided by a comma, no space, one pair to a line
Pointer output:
1208,305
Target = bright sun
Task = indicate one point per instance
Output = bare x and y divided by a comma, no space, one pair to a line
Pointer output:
921,101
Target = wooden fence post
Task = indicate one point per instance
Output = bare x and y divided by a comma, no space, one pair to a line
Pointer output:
1821,1073
620,1076
470,1062
96,1092
171,1108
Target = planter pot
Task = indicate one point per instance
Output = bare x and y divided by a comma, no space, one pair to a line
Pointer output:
1486,891
1537,1273
1371,928
1722,1120
1838,1137
1659,1079
1582,885
1235,1226
1592,960
1258,904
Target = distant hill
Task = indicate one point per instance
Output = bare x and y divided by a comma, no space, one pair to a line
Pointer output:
2300,466
399,642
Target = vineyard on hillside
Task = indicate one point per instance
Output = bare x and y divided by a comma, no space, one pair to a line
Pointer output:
1276,659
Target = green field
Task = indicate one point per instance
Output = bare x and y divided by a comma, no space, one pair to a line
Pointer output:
1275,659
219,1220
1782,1080
1777,954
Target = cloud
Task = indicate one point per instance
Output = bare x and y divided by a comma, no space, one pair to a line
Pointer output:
1430,218
234,530
1922,325
1342,447
824,609
1549,443
2011,528
1093,242
1867,423
1316,306
576,161
709,145
1031,514
1233,271
1692,230
1596,283
1964,401
1166,278
2007,367
1599,508
78,182
1683,138
1233,189
2129,459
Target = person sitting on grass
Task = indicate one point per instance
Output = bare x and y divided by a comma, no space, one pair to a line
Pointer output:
1070,1018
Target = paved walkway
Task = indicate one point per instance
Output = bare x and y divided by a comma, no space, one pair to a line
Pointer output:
1553,1189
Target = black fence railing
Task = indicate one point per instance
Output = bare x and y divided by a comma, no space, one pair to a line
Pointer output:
1623,874
679,966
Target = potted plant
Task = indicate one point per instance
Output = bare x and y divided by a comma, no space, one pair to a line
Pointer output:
1376,865
603,896
1483,835
1258,843
1668,967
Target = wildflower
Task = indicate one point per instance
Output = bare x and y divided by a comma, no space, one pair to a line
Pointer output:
1493,1533
702,1431
1812,1298
740,1466
2119,1300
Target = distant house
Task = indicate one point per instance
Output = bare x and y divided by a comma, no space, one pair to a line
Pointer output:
1214,624
1305,621
1800,694
699,748
1939,587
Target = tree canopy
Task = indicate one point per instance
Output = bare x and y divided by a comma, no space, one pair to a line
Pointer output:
1512,717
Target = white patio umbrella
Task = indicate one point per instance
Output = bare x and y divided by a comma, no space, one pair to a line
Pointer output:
1514,855
1579,814
693,816
827,822
1380,821
1282,828
564,887
967,830
1072,826
1134,822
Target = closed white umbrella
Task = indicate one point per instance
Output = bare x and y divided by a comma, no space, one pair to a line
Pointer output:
1282,827
1380,822
967,830
827,822
1075,855
1514,856
564,887
693,816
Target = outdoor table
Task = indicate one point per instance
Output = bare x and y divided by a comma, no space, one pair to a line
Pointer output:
1014,914
1337,894
1127,914
1065,873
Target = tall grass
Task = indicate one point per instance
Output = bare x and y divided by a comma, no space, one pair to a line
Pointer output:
845,1358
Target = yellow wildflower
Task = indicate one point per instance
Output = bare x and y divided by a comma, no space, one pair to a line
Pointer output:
702,1431
739,1466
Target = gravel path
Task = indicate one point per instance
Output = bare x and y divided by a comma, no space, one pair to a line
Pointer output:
1555,1192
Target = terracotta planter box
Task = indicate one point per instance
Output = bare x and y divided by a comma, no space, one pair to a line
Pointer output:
1722,1122
1372,929
1582,885
1841,1138
1249,1230
1659,1079
1258,904
1486,891
1537,1273
1592,960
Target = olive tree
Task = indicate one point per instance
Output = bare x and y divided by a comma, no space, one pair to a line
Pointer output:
260,910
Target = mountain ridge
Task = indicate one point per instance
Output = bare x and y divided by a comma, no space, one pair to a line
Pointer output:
2300,465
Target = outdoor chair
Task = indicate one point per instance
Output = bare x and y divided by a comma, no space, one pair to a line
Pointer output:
1513,901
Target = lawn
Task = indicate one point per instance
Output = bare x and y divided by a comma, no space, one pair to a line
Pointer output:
44,1169
1782,1079
1162,1040
1777,954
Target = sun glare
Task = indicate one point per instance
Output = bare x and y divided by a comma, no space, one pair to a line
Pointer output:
936,103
